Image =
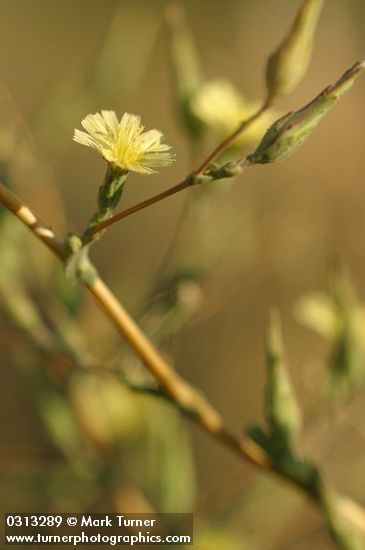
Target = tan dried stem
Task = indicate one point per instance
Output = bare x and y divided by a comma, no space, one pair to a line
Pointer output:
179,390
185,397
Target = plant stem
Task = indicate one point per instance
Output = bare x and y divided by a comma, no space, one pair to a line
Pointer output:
221,147
179,390
39,228
183,394
184,184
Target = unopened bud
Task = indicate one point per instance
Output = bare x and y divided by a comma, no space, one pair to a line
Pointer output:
288,133
288,64
282,411
185,64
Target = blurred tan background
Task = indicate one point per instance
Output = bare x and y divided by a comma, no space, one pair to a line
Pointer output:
285,226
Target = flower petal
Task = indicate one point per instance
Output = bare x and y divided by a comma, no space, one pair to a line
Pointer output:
124,143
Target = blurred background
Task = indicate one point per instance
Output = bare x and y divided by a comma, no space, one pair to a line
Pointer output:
199,270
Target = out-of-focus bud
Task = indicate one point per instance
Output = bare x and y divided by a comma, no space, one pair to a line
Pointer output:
208,104
281,408
107,412
184,63
288,64
316,311
288,133
340,318
218,105
347,362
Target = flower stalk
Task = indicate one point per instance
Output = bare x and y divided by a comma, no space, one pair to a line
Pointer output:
187,398
109,195
126,148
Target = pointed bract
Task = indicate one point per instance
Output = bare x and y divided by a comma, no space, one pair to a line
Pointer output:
288,133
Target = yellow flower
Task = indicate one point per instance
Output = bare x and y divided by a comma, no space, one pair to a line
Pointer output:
221,107
124,144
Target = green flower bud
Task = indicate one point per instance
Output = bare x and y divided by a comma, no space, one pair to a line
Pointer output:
288,64
109,195
288,133
281,408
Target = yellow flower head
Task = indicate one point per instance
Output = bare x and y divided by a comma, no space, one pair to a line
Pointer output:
221,107
123,143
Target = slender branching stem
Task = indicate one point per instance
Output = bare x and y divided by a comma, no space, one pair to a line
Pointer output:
184,184
40,229
188,399
185,396
152,200
227,142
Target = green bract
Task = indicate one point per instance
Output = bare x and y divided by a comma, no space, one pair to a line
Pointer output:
288,133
